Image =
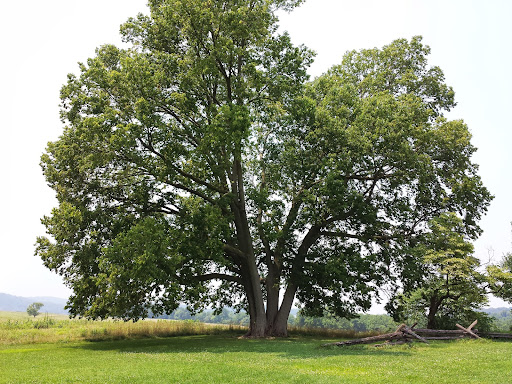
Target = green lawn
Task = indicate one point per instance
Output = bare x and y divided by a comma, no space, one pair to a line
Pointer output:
54,349
224,359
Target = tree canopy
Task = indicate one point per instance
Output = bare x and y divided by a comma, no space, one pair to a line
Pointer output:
451,287
500,278
33,309
202,166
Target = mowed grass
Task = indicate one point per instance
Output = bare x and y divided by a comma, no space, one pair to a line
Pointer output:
222,359
225,358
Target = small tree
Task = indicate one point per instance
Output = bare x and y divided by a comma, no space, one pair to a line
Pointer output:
451,288
33,309
500,278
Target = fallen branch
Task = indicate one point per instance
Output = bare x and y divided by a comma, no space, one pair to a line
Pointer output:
368,340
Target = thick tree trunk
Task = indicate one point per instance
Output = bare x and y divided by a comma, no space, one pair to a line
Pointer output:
281,322
261,327
277,318
249,270
257,314
275,322
257,322
435,302
272,320
272,289
280,328
258,327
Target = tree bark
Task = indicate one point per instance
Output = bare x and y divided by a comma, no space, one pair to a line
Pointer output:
257,313
435,302
272,288
251,278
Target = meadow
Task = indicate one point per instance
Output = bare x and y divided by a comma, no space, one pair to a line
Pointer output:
200,353
18,328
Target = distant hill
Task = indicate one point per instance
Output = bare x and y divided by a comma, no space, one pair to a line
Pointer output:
20,304
496,311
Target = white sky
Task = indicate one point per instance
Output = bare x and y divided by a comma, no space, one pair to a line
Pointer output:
43,41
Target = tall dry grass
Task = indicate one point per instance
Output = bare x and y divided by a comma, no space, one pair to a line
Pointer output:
16,328
48,329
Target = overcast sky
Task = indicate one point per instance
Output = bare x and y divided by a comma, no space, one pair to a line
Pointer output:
43,41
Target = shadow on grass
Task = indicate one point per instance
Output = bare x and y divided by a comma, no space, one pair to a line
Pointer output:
294,348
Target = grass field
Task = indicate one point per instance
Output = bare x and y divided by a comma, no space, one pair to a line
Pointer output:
224,358
19,328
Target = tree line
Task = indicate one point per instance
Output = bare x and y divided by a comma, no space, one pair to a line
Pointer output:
496,320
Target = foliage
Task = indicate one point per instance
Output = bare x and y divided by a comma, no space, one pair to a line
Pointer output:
33,309
225,317
451,288
200,166
500,278
362,323
502,318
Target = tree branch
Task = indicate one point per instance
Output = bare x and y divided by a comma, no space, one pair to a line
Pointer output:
193,192
218,276
198,180
233,251
375,177
342,234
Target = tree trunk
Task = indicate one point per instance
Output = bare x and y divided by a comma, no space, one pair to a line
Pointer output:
281,323
280,328
273,320
435,302
249,270
272,323
257,315
258,327
272,289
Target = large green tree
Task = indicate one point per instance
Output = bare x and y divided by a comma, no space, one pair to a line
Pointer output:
200,166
